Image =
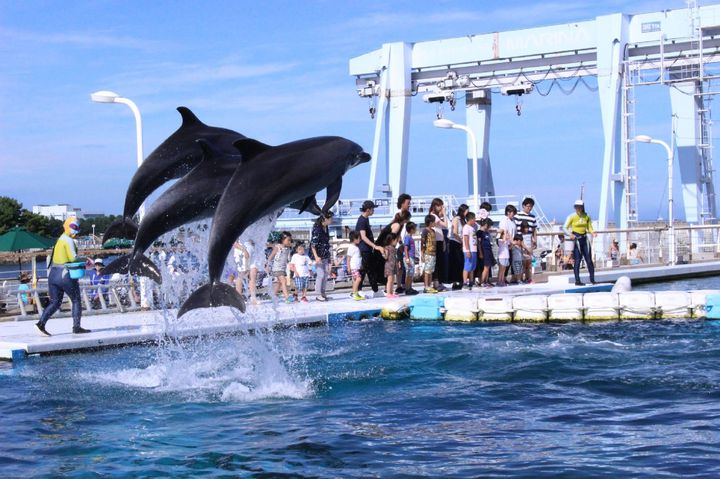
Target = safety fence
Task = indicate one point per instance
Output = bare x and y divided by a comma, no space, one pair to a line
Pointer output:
651,246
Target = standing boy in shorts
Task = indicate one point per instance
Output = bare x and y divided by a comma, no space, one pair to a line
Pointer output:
409,258
469,245
300,265
486,253
427,249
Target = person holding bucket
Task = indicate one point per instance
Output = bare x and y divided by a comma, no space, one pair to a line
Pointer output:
577,226
65,271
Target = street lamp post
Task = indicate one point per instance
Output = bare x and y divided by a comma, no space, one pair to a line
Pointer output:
112,97
671,221
105,96
445,123
93,228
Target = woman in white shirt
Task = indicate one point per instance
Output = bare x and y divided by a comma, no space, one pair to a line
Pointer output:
437,209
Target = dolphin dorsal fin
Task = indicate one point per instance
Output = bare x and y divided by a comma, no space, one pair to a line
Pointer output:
250,148
188,117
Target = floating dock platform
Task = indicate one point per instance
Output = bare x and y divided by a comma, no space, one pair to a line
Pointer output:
19,339
535,302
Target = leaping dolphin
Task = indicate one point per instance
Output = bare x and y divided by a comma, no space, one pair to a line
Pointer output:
175,157
194,197
275,178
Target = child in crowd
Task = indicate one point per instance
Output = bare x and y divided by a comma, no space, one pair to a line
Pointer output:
486,253
278,262
427,249
300,265
503,256
354,260
528,242
391,241
409,257
242,260
469,246
516,256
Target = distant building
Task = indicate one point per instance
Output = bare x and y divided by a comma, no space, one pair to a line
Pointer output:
59,212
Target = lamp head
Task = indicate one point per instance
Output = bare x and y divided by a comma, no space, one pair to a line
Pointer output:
104,96
443,123
643,138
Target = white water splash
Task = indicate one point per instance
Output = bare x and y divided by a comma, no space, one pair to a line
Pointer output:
243,368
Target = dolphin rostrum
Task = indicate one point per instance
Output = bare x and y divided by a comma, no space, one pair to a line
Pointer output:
175,157
275,178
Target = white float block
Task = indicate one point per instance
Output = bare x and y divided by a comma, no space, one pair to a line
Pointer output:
698,299
565,307
532,307
637,305
601,306
460,309
498,308
673,304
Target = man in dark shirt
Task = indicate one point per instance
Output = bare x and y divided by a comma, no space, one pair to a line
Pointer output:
368,249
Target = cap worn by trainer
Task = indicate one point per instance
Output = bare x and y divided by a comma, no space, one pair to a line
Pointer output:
579,203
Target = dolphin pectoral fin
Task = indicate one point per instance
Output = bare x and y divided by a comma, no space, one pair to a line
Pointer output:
120,265
308,204
143,266
211,296
188,117
124,228
250,148
332,194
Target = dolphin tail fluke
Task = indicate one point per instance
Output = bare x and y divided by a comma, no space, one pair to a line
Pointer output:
211,296
124,228
121,265
143,266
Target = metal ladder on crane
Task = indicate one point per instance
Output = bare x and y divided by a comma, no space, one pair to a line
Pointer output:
630,173
703,100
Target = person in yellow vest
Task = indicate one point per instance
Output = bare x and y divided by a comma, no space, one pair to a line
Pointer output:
59,280
577,226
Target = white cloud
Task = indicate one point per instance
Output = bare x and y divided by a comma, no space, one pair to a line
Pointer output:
83,40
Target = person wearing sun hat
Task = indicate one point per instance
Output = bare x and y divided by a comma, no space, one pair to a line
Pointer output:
59,280
577,226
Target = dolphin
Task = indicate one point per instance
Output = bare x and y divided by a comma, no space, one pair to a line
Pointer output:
175,157
193,197
275,178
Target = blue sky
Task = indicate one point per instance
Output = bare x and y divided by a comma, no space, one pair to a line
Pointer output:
278,71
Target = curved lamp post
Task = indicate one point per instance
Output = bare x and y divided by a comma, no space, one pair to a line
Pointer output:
671,222
104,96
445,123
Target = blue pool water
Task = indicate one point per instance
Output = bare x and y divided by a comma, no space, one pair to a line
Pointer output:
378,399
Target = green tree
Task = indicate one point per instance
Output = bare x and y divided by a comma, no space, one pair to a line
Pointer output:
41,225
10,213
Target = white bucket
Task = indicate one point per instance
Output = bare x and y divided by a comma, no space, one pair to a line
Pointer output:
565,307
637,305
498,308
460,309
673,304
600,306
532,307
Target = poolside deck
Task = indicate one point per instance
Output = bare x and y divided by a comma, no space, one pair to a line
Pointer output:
18,339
